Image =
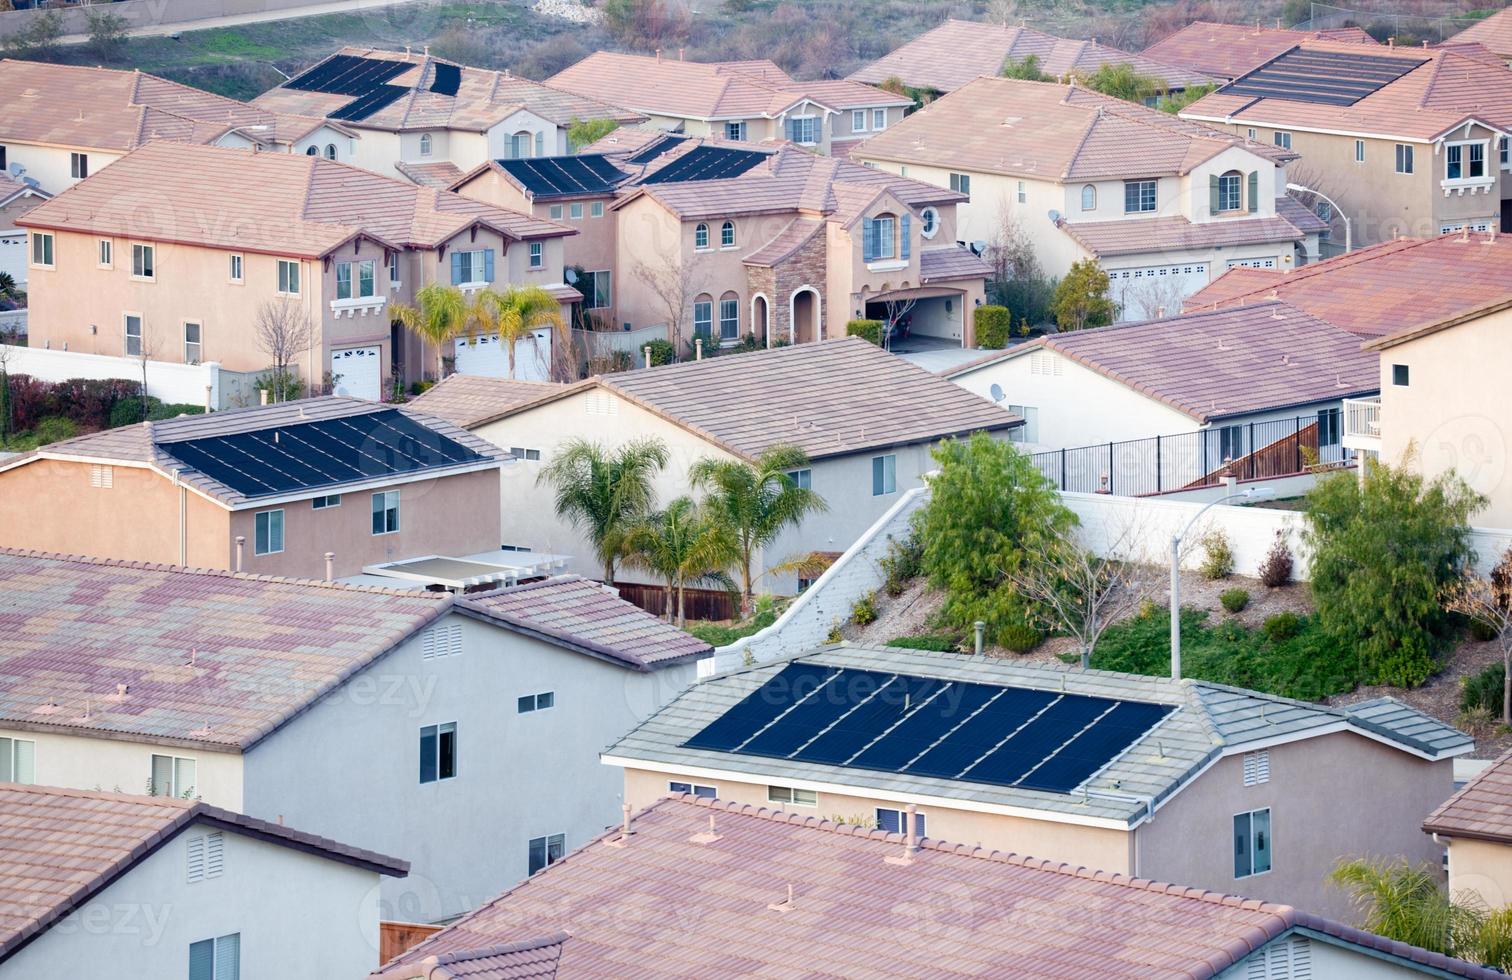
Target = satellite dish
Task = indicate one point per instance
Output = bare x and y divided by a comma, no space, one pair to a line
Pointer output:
16,170
996,391
1054,216
978,247
570,275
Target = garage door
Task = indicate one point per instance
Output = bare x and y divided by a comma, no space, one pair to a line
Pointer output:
1143,292
485,355
13,255
358,372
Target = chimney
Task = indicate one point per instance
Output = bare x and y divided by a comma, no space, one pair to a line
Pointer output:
241,540
1160,312
330,558
980,628
1391,42
280,819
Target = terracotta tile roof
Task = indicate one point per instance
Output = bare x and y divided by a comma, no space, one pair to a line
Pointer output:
701,888
1481,810
589,616
1227,51
59,847
1385,288
951,262
1494,32
98,108
531,959
958,51
1051,132
1139,236
438,175
469,400
283,204
797,234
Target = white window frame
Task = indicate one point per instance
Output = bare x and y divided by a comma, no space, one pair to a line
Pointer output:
537,253
1023,193
555,212
879,120
731,306
1282,138
802,479
1089,197
385,503
1405,154
884,474
18,758
325,501
575,211
237,268
47,243
225,958
707,318
808,126
105,253
1465,162
960,183
692,789
1359,151
902,815
197,345
735,130
265,517
143,257
602,288
437,730
546,841
858,120
127,337
1139,186
353,279
178,765
475,263
426,144
596,209
1234,180
1252,842
792,796
288,275
78,165
527,704
701,237
727,235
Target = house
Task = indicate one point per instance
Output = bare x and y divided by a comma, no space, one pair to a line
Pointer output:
1135,775
1402,141
101,883
1162,204
960,51
64,122
177,252
430,120
737,100
319,488
1224,390
1226,51
371,716
866,418
776,892
18,195
1493,32
1475,827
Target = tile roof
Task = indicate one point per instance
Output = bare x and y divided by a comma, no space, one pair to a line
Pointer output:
60,847
1381,289
706,887
951,262
530,959
958,51
13,187
1494,32
152,443
1226,51
481,99
798,233
283,204
589,616
555,178
1209,720
99,108
469,400
1052,132
1140,236
441,175
1481,810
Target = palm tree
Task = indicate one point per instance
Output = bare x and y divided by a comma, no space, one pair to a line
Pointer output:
516,312
757,502
1402,902
682,544
441,313
605,494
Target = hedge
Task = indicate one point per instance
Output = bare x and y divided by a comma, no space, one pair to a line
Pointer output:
868,330
993,326
87,402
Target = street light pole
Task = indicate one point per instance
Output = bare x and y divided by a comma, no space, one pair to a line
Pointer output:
1348,234
1250,493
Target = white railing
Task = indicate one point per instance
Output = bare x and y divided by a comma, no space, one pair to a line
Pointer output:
602,343
358,306
1362,423
171,382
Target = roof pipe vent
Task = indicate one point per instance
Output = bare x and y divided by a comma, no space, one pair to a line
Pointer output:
193,655
241,541
330,562
784,906
706,837
658,55
910,836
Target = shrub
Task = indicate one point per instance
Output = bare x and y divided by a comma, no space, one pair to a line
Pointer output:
1234,600
864,611
1081,299
1282,626
1482,631
1276,569
1219,556
55,429
662,352
901,564
868,330
937,642
1483,690
993,325
1019,637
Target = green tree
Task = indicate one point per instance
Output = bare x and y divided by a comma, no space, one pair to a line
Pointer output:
1403,902
1177,101
1384,551
581,132
516,312
441,313
1025,69
989,509
756,502
39,40
605,494
1081,299
107,32
1122,81
681,544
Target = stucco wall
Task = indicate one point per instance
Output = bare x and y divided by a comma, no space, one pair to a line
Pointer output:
1482,868
52,166
117,765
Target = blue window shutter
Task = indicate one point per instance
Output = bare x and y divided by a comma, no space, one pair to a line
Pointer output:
228,957
540,149
202,960
1214,205
868,232
456,268
907,225
790,127
488,264
1254,190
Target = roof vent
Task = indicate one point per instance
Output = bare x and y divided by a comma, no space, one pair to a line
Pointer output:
204,732
625,829
193,655
122,691
85,717
784,906
707,836
50,708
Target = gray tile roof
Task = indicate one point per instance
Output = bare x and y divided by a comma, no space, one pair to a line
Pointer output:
1172,233
1210,718
469,400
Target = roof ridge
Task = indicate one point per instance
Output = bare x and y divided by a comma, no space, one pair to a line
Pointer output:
502,949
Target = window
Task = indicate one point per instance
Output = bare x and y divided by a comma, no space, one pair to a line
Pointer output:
1465,161
1249,133
18,760
1501,151
575,211
802,479
268,532
555,212
519,452
1359,151
193,349
236,268
78,165
216,959
330,153
727,235
536,702
735,130
206,856
107,253
929,222
1403,158
729,317
597,289
1023,194
288,277
326,502
438,752
961,184
1328,427
386,512
797,797
877,237
892,821
803,129
858,120
1283,140
1139,196
471,267
393,269
1257,767
701,236
366,284
313,151
703,317
142,265
596,209
1088,198
1252,843
537,255
425,144
132,328
545,851
694,789
1399,375
1231,442
1230,191
884,475
42,249
171,775
879,119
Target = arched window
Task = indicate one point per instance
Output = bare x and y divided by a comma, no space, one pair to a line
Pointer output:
929,222
729,317
701,236
313,151
703,316
425,144
330,151
879,237
1089,197
1230,191
727,235
520,144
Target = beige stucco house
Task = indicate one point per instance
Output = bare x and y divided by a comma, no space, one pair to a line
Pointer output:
17,197
175,251
1163,205
1475,827
1211,786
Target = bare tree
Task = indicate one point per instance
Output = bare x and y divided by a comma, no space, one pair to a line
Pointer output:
1488,601
283,331
675,286
146,346
1152,299
893,311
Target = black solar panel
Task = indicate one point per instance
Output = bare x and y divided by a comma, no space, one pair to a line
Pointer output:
707,163
447,80
547,177
329,452
345,74
655,149
1323,77
982,733
378,98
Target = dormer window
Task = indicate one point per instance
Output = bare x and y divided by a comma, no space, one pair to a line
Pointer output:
880,238
701,236
1230,191
330,151
425,144
1465,161
1088,198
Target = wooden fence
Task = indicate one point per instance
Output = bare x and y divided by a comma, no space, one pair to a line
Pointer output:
697,603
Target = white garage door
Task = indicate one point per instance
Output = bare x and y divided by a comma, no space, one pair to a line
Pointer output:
1143,292
485,355
358,372
13,255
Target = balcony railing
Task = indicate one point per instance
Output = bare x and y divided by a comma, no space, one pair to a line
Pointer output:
358,306
1362,423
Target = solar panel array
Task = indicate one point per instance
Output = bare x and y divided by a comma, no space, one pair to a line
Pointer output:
364,78
1324,77
447,80
322,453
707,163
925,726
655,149
590,173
